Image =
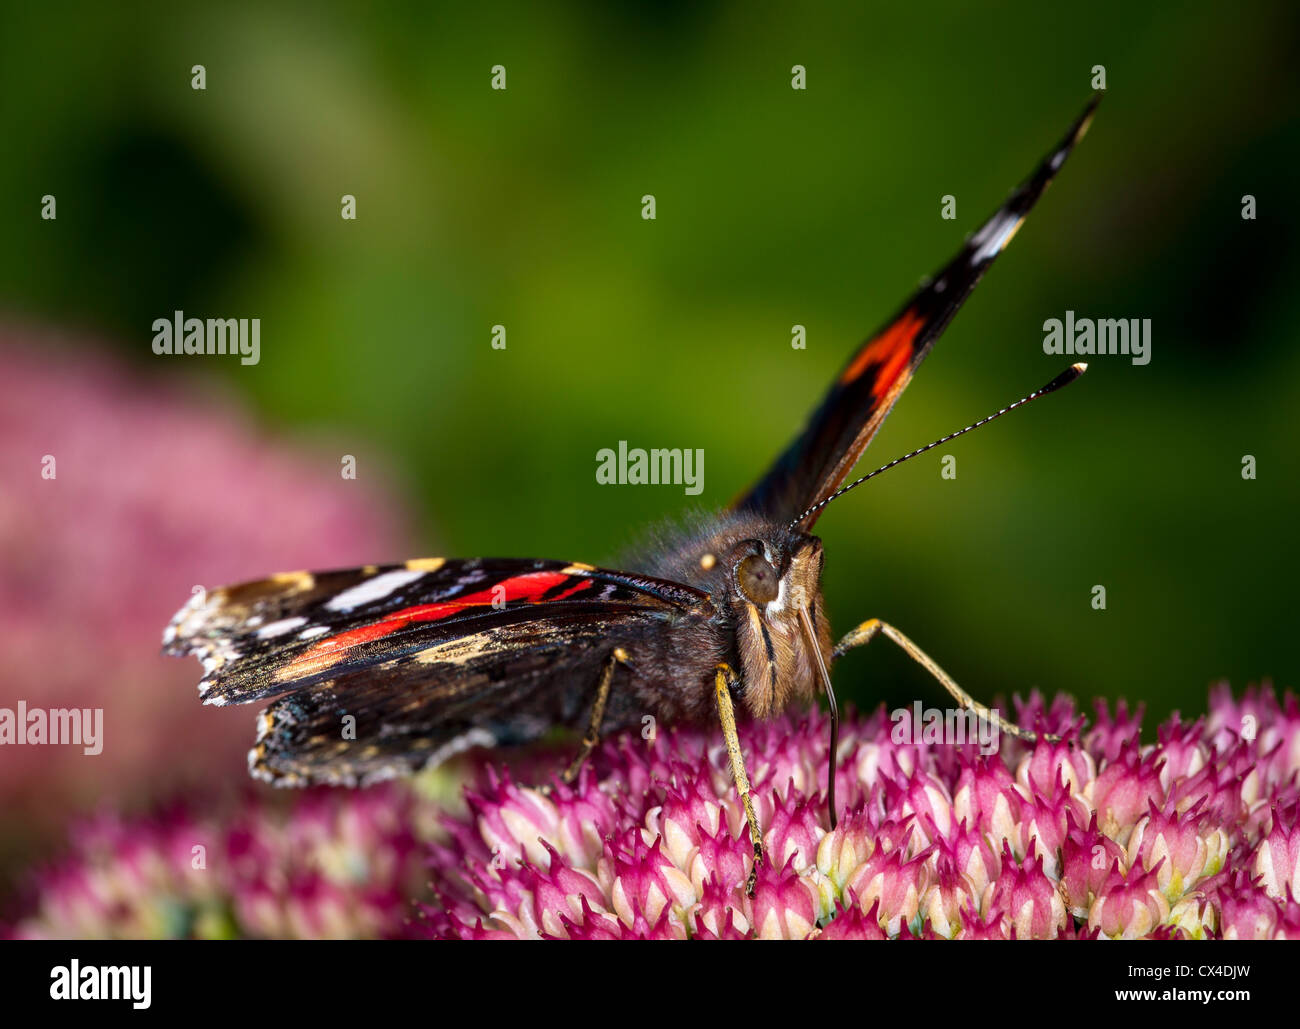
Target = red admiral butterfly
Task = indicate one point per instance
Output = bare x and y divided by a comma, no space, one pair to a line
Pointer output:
434,656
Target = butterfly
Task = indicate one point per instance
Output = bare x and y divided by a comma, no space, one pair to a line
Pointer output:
381,671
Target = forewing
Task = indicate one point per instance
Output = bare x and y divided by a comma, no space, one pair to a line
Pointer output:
427,657
821,457
263,638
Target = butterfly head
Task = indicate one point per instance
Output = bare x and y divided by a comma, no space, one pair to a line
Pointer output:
775,588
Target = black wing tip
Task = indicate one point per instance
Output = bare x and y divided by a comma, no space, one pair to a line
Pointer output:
1081,124
1089,109
993,236
1056,158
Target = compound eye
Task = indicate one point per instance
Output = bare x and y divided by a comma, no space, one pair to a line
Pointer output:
758,579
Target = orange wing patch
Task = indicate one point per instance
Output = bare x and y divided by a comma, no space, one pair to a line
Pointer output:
892,350
529,588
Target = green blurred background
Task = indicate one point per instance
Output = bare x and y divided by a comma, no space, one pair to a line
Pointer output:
775,207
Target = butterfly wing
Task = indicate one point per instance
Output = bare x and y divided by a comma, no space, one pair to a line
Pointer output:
427,657
821,457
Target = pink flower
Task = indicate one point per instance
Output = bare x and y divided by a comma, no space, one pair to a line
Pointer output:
972,856
896,883
1065,760
794,832
1186,847
847,847
335,864
720,857
949,894
1026,898
690,812
975,926
1108,837
1045,819
1122,791
124,492
1088,857
1184,749
1277,862
650,843
986,796
1110,735
1129,907
921,794
852,923
715,917
1247,911
785,905
641,880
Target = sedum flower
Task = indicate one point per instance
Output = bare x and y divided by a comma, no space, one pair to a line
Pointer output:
1186,847
335,864
852,923
1123,789
978,927
972,856
987,796
1111,839
640,879
794,832
1193,918
897,883
1040,768
949,894
922,794
1026,898
1277,862
1088,855
1096,835
1246,911
784,904
123,492
1129,906
715,916
1046,816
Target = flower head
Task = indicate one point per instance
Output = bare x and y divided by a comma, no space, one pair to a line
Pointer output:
124,494
1102,836
334,864
1120,841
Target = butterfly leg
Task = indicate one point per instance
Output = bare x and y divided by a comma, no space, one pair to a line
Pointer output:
597,716
726,678
868,631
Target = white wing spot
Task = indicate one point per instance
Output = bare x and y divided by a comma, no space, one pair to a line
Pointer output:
372,589
994,236
279,628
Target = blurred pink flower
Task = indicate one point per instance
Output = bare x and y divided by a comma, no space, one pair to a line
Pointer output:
334,864
124,490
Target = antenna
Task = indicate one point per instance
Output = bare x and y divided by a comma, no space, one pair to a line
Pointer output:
1064,379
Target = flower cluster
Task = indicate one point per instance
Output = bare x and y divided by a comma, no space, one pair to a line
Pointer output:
122,493
1194,836
336,864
